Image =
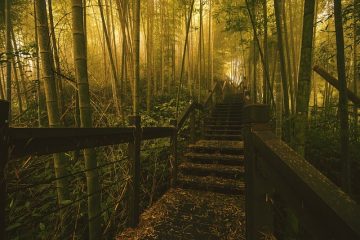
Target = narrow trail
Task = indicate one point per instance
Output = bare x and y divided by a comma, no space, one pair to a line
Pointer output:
208,201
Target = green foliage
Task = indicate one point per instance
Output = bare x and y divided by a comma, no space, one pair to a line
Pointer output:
233,15
323,149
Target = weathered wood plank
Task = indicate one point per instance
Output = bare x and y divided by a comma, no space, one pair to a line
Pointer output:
43,141
324,201
156,132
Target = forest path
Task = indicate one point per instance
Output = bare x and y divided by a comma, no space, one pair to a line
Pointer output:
208,201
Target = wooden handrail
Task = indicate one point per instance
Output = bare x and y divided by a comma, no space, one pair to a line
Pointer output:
273,170
22,142
43,141
335,83
195,106
329,212
208,99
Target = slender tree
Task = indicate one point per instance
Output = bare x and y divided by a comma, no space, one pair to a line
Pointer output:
356,62
81,73
2,91
184,55
266,52
115,79
304,79
37,61
51,96
343,108
18,62
278,17
211,47
149,55
56,61
200,49
137,7
288,60
17,87
260,50
8,52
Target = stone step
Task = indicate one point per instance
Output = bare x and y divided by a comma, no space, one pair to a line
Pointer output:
217,170
223,120
232,110
223,131
212,184
225,105
225,127
226,115
217,158
216,146
223,136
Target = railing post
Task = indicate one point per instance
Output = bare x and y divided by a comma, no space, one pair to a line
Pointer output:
174,154
259,216
4,157
134,166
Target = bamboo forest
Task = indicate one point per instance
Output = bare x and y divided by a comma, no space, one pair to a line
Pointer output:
179,119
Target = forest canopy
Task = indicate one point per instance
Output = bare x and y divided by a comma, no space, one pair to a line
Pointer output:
94,63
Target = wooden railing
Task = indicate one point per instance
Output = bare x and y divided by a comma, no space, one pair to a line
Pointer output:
274,171
21,142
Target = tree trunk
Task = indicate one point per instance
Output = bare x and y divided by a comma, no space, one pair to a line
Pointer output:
304,79
51,96
57,66
211,48
8,52
136,104
200,50
128,51
115,79
184,55
149,64
266,52
162,49
81,73
288,61
343,108
2,80
293,46
278,11
259,48
38,83
254,78
17,86
21,68
356,16
279,100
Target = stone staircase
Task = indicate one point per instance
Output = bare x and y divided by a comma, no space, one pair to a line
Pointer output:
216,163
208,202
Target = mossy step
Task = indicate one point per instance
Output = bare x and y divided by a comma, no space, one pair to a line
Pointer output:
224,131
236,127
226,110
212,184
223,121
223,125
226,116
225,159
223,136
217,170
219,144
